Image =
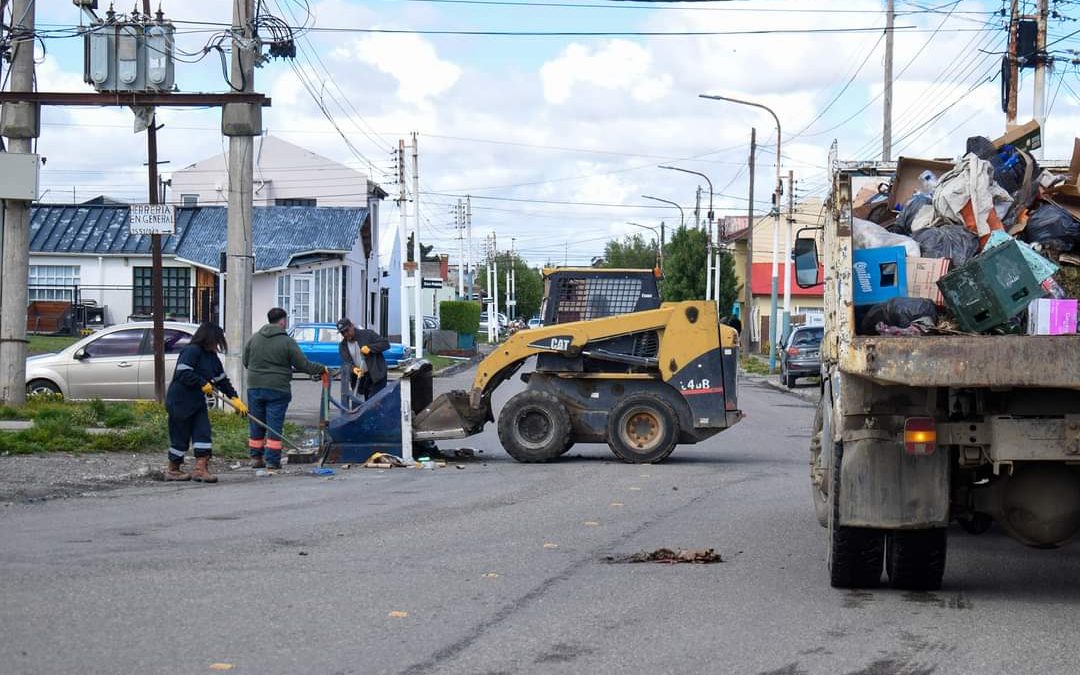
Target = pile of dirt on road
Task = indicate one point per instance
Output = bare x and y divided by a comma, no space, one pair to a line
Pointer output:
700,556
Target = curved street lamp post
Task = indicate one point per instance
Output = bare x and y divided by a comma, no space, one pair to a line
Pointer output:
776,239
659,238
709,266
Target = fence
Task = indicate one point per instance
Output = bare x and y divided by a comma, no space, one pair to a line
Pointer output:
73,309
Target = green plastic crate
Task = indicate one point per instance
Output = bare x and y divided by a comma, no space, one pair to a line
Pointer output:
990,289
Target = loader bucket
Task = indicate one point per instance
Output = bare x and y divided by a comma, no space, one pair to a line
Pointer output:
450,416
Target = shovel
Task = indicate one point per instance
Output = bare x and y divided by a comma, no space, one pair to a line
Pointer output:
258,421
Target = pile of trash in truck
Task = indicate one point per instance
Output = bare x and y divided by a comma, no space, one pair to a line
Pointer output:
988,245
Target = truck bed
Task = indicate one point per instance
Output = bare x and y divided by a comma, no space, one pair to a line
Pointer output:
966,361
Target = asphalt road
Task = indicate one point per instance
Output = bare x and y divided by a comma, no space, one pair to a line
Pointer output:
501,568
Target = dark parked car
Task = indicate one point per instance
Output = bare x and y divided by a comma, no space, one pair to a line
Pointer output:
801,356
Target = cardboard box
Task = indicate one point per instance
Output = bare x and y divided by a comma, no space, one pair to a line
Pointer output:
1052,317
1026,136
906,182
878,274
922,278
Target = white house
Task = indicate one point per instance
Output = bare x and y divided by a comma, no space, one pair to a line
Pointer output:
317,262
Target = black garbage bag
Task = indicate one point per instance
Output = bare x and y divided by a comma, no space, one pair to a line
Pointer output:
900,313
983,148
1054,228
950,241
903,222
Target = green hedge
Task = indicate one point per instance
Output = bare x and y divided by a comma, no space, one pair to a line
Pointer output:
462,316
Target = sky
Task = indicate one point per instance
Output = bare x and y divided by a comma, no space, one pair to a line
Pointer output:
557,137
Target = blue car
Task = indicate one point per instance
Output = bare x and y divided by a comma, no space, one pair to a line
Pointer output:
319,342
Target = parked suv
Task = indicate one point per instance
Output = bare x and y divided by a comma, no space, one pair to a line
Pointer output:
801,355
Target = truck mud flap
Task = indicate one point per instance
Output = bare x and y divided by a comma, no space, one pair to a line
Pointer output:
881,486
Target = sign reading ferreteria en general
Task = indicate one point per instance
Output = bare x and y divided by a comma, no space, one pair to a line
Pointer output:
152,219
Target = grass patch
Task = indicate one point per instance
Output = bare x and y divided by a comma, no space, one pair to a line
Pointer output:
754,366
440,362
47,344
136,427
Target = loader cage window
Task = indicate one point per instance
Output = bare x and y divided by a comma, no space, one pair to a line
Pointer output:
593,298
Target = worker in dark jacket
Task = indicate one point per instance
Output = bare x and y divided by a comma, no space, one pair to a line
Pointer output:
271,356
361,352
198,372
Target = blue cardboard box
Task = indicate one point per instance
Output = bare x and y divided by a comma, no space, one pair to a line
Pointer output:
878,274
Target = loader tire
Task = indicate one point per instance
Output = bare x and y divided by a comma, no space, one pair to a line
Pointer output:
642,429
915,559
534,426
856,554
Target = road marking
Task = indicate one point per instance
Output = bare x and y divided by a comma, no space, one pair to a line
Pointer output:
548,544
398,615
617,504
591,523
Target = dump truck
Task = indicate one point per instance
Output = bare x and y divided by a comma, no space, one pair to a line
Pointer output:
914,432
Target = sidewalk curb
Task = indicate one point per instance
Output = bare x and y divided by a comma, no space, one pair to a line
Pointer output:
810,395
459,367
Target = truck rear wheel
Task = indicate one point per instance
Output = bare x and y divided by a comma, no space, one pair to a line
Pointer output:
534,426
642,429
856,554
915,559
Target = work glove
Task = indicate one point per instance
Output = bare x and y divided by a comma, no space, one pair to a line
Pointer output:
208,389
365,350
358,371
240,406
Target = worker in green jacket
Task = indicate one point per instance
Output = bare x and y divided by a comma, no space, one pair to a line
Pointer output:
271,356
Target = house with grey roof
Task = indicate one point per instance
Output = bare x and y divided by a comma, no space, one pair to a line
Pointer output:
315,261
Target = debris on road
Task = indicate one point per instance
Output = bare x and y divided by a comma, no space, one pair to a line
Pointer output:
701,556
322,471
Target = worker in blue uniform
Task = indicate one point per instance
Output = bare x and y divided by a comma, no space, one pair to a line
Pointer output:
198,372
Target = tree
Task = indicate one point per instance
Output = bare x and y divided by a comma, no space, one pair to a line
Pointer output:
632,252
530,284
729,288
425,251
684,266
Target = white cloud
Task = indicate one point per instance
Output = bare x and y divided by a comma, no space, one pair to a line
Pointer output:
619,65
409,59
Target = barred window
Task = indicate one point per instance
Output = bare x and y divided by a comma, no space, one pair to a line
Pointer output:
53,282
175,285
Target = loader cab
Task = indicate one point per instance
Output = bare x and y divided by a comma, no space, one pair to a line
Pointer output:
584,293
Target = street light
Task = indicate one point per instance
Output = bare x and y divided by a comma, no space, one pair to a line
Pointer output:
682,216
709,250
776,238
659,238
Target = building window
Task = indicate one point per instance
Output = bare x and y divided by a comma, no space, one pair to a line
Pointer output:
189,200
328,290
53,282
295,201
284,292
175,285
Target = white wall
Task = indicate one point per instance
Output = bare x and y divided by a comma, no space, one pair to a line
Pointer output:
282,171
263,298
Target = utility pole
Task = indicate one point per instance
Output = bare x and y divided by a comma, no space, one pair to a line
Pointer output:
157,296
459,223
513,279
419,274
787,253
748,270
1014,66
886,135
403,252
241,122
1039,107
21,124
468,235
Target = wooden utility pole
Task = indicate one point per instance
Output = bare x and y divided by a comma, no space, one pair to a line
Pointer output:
748,271
886,132
418,327
241,123
157,299
21,124
1014,66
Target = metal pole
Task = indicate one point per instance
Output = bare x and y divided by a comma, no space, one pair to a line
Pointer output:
459,220
709,294
710,242
493,316
662,245
16,233
419,321
1014,66
468,234
682,215
241,263
748,269
403,249
886,135
1040,75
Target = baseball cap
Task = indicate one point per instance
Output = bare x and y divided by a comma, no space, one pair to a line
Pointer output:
343,324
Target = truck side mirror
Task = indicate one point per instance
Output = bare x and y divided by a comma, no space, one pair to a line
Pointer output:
805,255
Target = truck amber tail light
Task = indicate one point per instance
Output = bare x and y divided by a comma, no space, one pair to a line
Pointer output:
920,436
793,351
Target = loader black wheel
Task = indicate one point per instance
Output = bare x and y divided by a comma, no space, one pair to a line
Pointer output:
642,429
915,559
534,426
856,554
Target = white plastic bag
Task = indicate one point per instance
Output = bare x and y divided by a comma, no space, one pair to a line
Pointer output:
872,235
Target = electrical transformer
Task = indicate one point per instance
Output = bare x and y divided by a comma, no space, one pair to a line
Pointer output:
129,54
